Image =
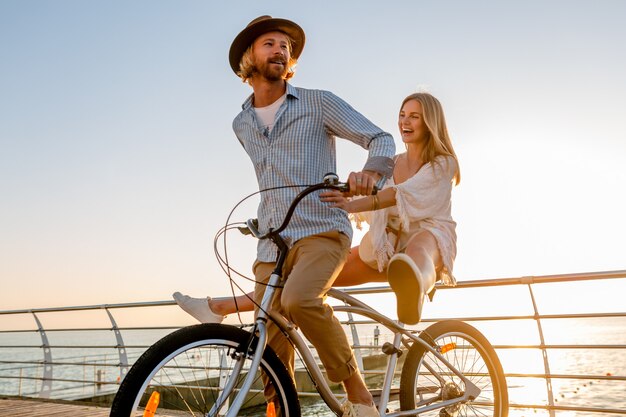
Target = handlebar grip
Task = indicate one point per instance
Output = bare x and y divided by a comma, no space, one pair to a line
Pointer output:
245,230
379,185
253,227
344,188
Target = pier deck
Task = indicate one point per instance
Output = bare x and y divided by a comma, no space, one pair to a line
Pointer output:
36,408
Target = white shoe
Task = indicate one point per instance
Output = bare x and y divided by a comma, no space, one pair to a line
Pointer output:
406,280
198,308
359,410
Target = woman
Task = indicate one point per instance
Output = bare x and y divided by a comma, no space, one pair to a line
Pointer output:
411,242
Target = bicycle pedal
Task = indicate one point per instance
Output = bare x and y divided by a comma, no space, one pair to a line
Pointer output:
452,411
390,349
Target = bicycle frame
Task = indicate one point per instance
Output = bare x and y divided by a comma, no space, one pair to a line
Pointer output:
258,340
355,306
352,305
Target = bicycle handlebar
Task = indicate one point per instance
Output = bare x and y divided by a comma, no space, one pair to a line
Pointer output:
331,181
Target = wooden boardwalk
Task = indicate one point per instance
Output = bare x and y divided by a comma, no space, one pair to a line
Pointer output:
36,408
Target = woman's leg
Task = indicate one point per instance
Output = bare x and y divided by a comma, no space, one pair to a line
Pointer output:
423,249
412,275
355,272
230,305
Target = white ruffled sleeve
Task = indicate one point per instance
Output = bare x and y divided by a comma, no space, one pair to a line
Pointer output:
427,193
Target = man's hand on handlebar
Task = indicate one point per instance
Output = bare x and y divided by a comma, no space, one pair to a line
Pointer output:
362,183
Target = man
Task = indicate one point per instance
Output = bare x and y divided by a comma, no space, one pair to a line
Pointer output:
289,134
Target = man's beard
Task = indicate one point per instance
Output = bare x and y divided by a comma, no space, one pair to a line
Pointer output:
266,70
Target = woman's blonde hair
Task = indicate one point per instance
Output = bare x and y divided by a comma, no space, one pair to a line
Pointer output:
246,64
438,142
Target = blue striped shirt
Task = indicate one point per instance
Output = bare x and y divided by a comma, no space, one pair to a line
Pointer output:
300,150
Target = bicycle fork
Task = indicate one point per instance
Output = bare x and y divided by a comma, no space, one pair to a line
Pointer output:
241,354
470,393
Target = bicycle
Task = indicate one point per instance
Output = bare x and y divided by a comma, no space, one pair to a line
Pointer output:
450,368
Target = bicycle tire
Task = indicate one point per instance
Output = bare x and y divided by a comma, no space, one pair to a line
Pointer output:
186,367
468,351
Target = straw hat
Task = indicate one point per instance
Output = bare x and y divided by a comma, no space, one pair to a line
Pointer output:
259,26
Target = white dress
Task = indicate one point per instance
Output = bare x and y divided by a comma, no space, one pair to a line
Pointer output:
423,202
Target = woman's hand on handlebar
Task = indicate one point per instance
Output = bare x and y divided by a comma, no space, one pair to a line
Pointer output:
360,183
336,198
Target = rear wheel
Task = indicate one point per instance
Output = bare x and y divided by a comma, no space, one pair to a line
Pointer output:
469,352
189,369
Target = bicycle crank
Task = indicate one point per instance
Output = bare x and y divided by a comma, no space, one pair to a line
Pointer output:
450,391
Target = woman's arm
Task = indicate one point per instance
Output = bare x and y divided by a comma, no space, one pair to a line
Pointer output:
422,195
383,199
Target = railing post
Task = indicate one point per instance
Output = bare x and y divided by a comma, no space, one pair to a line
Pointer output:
121,348
46,382
544,352
84,372
356,342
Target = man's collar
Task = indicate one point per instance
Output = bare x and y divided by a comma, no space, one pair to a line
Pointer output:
291,91
248,103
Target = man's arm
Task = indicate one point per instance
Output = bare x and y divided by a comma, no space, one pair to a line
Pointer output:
344,121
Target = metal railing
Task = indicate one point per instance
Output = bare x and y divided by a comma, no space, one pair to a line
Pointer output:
24,372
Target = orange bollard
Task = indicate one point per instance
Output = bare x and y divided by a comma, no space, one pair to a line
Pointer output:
153,404
271,410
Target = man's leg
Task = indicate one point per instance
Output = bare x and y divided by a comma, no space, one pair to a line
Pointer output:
313,265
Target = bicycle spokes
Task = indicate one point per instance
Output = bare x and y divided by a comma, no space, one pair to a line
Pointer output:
458,375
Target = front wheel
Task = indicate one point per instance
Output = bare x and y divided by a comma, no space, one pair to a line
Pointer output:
188,370
425,380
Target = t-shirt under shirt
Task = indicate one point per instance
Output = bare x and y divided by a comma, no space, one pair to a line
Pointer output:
267,115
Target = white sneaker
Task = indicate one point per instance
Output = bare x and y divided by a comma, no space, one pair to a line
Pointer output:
359,410
198,308
406,280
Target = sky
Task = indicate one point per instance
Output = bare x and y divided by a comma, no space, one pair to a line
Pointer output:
118,163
